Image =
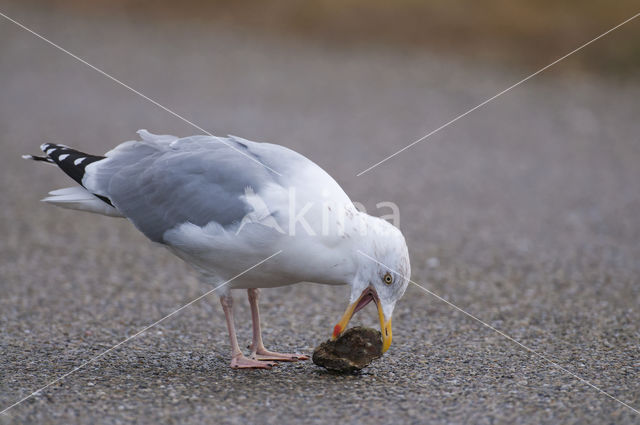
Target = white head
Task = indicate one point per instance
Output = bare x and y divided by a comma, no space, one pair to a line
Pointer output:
382,277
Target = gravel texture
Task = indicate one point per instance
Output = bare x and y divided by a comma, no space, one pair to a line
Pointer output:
524,213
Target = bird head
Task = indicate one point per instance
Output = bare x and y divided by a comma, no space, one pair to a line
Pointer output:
382,277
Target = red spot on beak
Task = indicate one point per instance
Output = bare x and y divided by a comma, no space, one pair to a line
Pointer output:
336,331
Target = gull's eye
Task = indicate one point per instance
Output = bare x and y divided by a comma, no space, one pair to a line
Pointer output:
387,278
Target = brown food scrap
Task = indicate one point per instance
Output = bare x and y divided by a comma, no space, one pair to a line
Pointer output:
355,349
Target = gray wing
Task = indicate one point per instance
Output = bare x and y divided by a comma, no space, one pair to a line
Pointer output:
162,181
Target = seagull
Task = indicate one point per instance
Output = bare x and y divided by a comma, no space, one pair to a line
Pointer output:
225,204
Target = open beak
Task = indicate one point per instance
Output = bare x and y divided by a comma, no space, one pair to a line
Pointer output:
366,297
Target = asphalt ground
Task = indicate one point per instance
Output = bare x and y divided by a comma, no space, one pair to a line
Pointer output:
524,213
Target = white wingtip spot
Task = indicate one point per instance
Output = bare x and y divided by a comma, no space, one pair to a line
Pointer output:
63,157
27,156
79,161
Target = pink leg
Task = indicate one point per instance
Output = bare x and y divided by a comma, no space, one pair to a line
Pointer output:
258,351
238,360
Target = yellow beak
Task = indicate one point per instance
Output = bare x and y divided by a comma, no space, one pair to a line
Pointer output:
385,325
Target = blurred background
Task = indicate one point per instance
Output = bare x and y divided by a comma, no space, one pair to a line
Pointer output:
521,33
525,212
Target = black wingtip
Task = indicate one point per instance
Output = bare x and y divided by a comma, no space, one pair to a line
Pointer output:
71,161
39,158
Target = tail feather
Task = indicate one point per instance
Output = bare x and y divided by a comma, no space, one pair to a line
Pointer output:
79,198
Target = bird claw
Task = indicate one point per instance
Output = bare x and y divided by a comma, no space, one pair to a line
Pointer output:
242,362
278,357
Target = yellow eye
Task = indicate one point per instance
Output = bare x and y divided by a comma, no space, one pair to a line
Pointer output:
387,278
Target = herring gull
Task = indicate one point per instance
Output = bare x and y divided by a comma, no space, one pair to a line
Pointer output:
223,205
